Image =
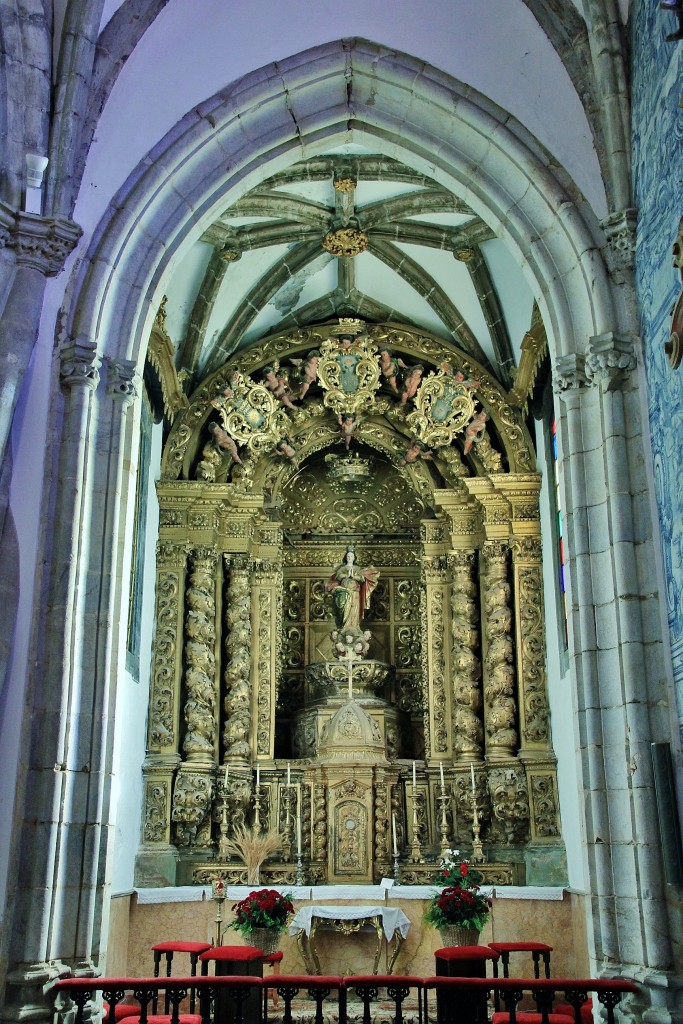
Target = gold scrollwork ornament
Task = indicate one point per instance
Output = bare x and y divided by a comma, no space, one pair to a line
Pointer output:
251,414
443,408
349,374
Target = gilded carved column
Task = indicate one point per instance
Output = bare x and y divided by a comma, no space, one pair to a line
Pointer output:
499,681
468,731
164,703
530,641
193,790
266,611
434,618
200,642
237,675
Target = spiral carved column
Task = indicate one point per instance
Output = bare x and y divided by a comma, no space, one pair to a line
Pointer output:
499,682
200,634
164,704
194,784
237,675
468,731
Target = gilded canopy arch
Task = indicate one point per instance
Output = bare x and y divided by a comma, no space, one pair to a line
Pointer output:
304,447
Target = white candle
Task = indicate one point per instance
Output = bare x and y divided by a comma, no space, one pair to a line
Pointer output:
289,774
393,830
441,773
227,776
474,789
350,680
414,776
298,827
258,777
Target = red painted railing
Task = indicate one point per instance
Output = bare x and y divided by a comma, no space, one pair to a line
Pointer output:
446,1000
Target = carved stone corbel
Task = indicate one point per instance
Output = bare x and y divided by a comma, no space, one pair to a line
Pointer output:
610,360
191,812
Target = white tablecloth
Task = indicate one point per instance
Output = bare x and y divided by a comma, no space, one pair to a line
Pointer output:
392,918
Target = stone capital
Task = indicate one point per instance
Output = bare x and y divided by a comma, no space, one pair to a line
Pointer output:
569,373
122,380
6,224
620,232
610,359
40,243
80,365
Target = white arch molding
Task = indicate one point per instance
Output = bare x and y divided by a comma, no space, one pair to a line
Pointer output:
257,126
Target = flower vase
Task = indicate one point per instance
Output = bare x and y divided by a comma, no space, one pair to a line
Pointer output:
459,935
265,939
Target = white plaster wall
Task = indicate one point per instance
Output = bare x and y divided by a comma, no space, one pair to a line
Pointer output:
560,690
188,54
133,697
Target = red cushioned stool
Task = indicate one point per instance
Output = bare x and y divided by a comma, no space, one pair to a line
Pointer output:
463,962
237,960
169,948
538,950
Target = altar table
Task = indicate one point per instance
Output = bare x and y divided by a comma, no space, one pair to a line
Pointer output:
389,923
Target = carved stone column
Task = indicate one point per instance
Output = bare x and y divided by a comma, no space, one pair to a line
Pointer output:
437,645
237,676
41,245
468,730
266,615
499,681
72,693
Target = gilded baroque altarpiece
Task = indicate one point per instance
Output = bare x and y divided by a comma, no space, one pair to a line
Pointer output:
349,599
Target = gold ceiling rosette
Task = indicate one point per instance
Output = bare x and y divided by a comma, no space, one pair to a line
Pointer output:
443,408
349,374
251,414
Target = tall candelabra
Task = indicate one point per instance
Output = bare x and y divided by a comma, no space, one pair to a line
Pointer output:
415,849
445,844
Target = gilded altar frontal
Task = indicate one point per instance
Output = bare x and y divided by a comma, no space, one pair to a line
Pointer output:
350,641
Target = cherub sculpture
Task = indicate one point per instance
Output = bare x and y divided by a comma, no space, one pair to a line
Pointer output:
309,370
347,425
412,382
288,452
474,431
416,450
389,366
224,442
279,385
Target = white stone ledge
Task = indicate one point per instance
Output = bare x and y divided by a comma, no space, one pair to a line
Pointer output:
378,893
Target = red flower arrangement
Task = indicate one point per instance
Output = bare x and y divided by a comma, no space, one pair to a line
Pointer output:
461,901
263,908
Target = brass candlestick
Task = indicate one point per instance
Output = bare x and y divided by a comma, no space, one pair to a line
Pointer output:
218,892
289,837
257,807
223,838
415,851
477,849
445,845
